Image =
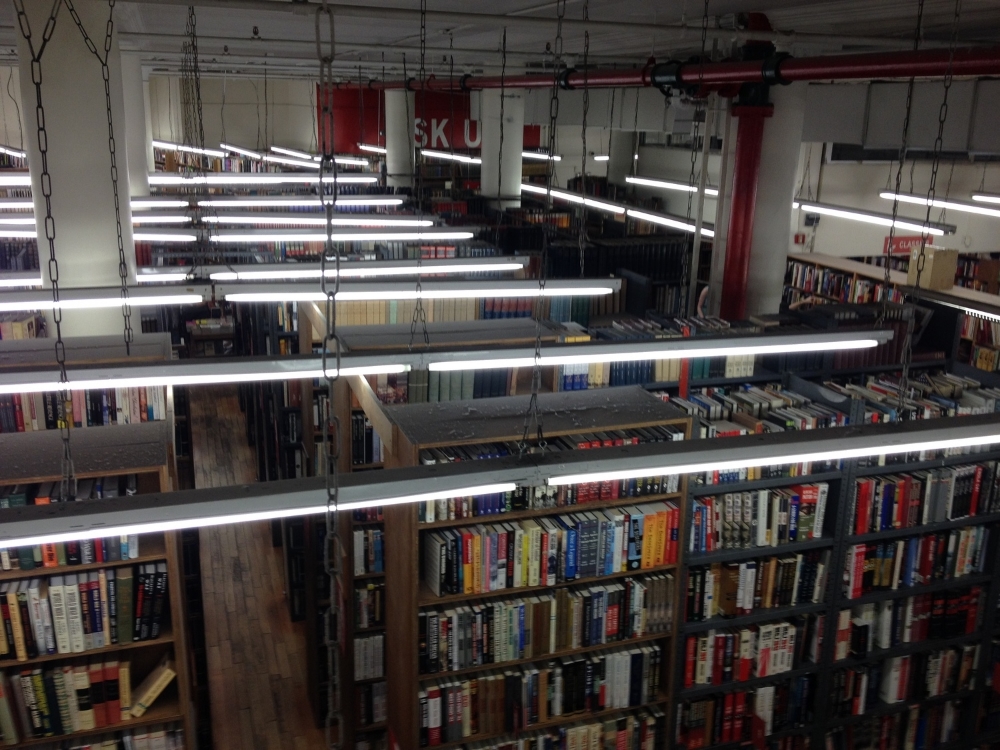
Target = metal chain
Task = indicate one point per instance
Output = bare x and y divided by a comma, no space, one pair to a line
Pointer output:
333,553
532,416
106,75
192,33
419,314
451,104
503,97
931,194
696,127
582,237
67,484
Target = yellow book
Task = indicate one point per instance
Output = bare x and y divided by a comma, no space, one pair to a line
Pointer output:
467,573
125,689
477,563
152,686
20,648
661,535
648,540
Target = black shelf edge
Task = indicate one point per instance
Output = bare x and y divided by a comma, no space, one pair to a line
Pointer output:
936,463
905,649
764,615
699,490
927,528
927,588
886,709
731,555
700,691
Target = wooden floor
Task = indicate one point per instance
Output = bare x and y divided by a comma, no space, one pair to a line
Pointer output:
256,655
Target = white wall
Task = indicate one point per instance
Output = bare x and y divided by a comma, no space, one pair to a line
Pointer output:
11,127
289,116
859,185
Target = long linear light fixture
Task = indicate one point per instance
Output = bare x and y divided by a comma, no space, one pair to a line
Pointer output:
871,217
387,290
451,157
302,155
652,217
304,202
319,220
13,152
921,200
372,149
368,269
20,279
540,156
669,185
93,299
174,179
985,198
15,179
241,151
164,236
166,146
237,370
602,157
70,521
265,235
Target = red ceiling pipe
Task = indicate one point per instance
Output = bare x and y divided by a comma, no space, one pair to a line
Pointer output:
749,140
968,61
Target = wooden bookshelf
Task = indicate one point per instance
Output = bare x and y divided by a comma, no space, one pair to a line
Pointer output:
165,711
408,429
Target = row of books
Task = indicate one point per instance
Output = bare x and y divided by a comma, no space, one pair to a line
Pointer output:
762,518
913,619
369,657
38,703
915,677
737,655
72,614
543,497
922,497
915,561
732,589
746,715
637,730
500,631
369,551
547,551
20,325
31,412
827,282
440,251
516,700
368,515
19,255
369,605
155,737
920,728
372,704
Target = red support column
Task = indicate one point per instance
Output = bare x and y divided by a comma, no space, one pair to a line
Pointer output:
749,138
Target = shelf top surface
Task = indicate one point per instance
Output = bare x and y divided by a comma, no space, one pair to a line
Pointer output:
562,413
492,333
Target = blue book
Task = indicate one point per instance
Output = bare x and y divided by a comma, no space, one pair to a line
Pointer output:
520,631
635,539
793,518
597,617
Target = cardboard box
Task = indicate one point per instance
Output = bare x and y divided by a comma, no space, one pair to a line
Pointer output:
940,265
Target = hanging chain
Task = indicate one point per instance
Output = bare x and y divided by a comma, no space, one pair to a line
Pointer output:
106,75
451,103
904,380
419,314
361,107
699,112
67,485
582,237
532,416
503,97
333,553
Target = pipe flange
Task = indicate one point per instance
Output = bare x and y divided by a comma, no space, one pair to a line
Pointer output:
771,69
409,84
463,82
666,76
564,83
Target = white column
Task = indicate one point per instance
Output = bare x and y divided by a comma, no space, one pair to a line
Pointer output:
502,170
399,133
621,149
79,161
772,224
148,111
134,96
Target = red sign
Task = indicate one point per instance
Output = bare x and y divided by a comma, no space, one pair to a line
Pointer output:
901,245
440,121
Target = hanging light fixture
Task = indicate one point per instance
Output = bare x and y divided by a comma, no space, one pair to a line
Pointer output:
241,151
369,269
302,219
163,179
949,205
13,152
668,185
373,149
540,156
92,299
871,217
188,149
264,235
986,198
451,157
304,202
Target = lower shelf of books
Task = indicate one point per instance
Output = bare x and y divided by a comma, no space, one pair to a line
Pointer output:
166,710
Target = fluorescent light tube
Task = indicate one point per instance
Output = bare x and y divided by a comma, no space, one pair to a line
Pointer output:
151,202
411,294
451,157
13,220
985,198
163,237
343,236
351,161
289,272
574,198
292,152
96,303
666,221
319,220
921,200
17,204
540,156
146,278
24,234
15,179
19,282
601,157
238,178
255,202
100,531
791,458
668,185
290,162
373,149
13,152
624,355
160,219
870,217
189,149
242,151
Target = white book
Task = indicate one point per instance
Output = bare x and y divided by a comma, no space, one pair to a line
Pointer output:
798,578
74,615
60,623
35,613
824,491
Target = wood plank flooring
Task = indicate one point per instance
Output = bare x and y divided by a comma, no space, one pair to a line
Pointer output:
256,655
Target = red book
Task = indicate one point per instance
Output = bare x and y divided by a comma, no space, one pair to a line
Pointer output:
862,510
727,717
544,566
718,658
18,412
977,486
97,695
434,716
739,715
691,649
859,570
112,702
